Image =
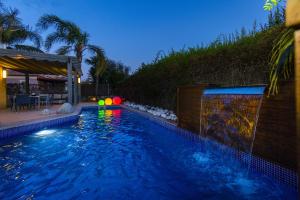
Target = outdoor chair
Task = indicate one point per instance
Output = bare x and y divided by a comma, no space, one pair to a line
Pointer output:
44,99
33,102
22,101
11,101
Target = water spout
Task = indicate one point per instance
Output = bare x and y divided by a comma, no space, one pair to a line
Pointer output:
229,115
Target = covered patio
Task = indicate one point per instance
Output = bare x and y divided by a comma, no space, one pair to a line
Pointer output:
40,63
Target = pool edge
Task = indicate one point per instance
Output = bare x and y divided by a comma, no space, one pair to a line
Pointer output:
254,163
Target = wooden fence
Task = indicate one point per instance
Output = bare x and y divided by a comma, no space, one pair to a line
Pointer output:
89,90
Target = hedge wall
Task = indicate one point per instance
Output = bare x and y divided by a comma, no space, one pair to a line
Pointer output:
239,61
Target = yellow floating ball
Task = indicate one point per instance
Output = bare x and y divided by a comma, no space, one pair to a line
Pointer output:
108,101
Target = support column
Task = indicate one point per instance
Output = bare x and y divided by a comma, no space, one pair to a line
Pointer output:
3,97
293,20
27,86
70,82
297,82
75,88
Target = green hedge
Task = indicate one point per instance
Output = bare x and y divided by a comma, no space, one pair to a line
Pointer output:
239,61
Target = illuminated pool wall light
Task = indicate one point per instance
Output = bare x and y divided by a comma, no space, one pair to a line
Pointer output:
235,91
115,101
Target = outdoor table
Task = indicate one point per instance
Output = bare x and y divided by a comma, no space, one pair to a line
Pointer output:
37,97
46,97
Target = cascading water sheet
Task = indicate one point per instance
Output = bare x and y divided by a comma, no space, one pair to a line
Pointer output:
229,115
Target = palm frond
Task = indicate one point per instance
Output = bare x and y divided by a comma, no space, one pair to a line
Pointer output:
34,36
64,50
46,21
99,63
11,17
68,33
28,48
282,59
96,49
74,33
14,31
52,38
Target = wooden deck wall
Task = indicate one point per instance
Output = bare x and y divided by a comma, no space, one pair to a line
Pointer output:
275,137
188,107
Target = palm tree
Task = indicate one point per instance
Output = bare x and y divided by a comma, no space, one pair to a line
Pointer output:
26,48
67,32
13,31
282,59
282,55
98,63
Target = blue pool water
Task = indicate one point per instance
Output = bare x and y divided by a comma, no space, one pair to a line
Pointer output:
117,154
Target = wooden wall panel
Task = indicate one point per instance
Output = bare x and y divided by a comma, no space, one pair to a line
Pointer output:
297,88
188,107
293,13
275,137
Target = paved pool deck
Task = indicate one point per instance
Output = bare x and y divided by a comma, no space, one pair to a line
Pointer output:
20,120
10,118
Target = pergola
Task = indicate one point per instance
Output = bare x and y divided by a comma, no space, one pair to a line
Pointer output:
40,63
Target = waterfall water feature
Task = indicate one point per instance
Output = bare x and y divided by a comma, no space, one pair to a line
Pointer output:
229,115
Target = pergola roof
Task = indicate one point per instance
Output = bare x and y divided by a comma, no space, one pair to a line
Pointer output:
37,63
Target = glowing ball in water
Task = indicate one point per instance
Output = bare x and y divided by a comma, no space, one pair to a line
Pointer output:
116,113
101,114
108,113
117,100
101,102
108,101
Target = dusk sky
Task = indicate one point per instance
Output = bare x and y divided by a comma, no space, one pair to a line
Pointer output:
133,31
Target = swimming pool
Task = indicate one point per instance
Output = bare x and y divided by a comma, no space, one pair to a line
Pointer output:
118,154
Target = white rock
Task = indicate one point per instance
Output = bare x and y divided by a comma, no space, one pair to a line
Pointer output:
156,111
46,112
65,109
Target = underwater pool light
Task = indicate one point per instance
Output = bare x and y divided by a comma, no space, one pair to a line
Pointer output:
45,132
108,101
101,102
117,100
